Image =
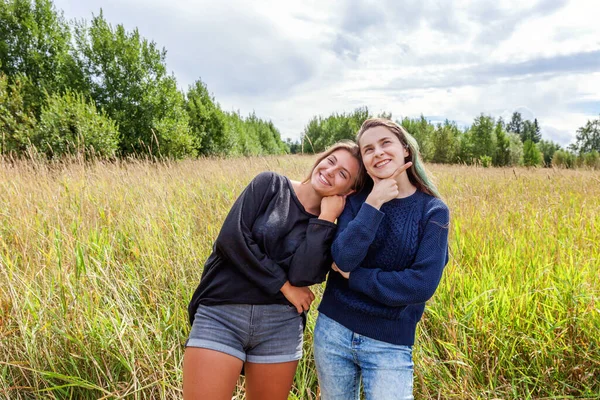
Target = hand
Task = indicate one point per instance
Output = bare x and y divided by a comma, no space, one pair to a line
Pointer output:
342,273
300,297
386,189
332,207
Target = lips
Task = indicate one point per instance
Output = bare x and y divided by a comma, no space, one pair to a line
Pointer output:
323,180
382,163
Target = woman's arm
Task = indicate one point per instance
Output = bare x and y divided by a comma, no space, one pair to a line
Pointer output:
312,259
235,239
417,283
355,234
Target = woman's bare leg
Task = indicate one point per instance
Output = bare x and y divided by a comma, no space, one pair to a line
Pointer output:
269,381
209,374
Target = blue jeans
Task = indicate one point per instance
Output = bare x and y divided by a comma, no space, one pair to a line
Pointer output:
343,356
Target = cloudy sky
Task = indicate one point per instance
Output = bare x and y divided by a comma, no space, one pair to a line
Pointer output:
455,59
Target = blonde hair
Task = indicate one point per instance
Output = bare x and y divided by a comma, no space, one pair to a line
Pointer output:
416,173
351,148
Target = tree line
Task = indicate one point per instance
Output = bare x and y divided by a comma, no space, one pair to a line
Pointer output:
90,88
487,142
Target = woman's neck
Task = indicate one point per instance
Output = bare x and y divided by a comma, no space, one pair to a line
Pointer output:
405,187
309,198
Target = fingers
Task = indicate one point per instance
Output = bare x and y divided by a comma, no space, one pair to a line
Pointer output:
401,169
299,308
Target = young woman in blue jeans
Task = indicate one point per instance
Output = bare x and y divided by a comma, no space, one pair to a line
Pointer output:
389,253
248,310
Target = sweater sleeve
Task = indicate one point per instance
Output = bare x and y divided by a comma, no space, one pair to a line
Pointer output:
355,235
312,260
417,283
235,239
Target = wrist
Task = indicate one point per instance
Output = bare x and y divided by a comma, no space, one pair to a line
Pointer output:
327,217
286,286
373,202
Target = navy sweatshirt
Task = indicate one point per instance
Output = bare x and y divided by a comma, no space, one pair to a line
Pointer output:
267,238
395,257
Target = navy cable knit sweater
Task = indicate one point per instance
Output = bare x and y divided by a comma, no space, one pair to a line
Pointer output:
395,257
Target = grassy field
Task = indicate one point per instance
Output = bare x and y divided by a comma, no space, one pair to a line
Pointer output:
98,262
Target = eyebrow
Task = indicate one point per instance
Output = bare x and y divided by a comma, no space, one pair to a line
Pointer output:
336,160
379,141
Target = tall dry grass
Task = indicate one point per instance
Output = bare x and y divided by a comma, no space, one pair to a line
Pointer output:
98,262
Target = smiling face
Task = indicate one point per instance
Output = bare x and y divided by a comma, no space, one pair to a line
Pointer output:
335,174
382,152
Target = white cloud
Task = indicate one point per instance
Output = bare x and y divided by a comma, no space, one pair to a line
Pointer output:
292,61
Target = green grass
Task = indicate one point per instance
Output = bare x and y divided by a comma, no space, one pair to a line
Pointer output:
98,262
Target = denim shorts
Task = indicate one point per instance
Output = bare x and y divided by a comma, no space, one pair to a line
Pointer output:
345,360
262,334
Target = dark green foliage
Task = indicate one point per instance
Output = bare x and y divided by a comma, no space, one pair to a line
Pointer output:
207,121
516,124
321,132
532,157
445,143
548,148
295,147
17,124
126,77
502,155
70,125
423,131
35,44
483,137
588,137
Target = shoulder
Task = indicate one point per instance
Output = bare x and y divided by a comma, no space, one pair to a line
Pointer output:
269,179
435,209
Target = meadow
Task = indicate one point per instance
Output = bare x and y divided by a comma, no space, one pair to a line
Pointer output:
98,262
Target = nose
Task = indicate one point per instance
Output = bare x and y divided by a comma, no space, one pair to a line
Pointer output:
330,171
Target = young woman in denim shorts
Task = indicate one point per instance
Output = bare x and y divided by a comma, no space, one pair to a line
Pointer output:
248,310
390,250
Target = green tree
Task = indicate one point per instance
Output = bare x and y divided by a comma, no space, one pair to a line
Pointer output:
563,159
532,157
423,132
70,125
35,43
516,149
126,77
537,133
17,124
516,124
207,121
321,132
482,136
502,154
588,137
548,148
445,143
590,160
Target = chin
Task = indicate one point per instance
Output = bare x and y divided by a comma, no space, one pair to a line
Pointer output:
383,174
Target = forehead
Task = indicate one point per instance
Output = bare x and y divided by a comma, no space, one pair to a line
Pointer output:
373,135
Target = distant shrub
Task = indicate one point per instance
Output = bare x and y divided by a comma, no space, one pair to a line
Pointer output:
69,124
563,159
486,161
17,125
